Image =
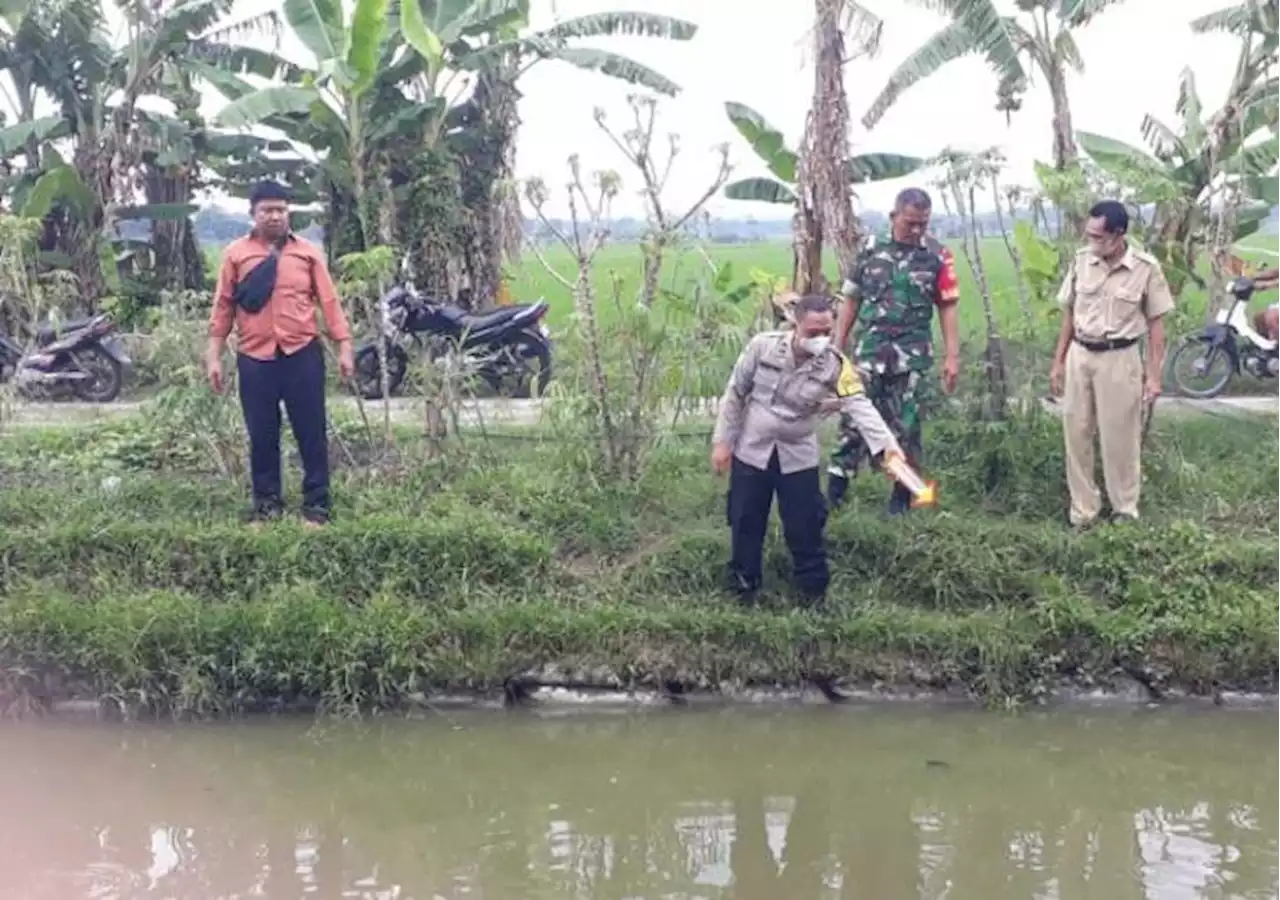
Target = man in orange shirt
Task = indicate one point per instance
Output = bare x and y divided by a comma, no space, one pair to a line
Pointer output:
269,286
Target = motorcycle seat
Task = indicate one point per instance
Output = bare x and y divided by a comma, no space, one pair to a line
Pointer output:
47,333
484,321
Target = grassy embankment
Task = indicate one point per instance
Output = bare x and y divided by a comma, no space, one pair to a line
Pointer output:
503,559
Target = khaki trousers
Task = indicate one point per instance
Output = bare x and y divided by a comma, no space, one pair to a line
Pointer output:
1103,395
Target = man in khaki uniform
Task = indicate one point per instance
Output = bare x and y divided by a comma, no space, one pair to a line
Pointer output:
1113,296
766,437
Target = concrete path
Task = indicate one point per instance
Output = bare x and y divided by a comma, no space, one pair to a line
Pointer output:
504,412
405,411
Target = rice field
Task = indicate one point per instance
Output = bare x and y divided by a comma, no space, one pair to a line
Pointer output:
620,264
622,261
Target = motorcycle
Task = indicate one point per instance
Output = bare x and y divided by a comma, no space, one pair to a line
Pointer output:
81,356
1224,349
509,347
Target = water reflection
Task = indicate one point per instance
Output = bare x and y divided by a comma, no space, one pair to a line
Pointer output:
785,806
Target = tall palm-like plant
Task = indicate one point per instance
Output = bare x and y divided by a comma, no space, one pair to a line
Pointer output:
25,36
818,179
377,97
1190,170
486,151
822,173
97,87
1041,36
1251,17
497,222
783,188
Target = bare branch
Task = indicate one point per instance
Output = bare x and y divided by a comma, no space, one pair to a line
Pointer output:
722,175
535,193
538,255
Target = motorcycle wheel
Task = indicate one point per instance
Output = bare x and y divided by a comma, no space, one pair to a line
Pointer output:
107,376
368,380
1197,357
529,358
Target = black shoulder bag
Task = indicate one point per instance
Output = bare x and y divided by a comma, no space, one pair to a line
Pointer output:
254,290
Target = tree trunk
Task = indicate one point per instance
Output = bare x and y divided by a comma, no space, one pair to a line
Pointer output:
430,221
496,225
81,239
1064,140
178,263
343,232
806,272
807,223
829,150
1065,152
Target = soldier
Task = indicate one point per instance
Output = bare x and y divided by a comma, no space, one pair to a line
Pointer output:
1112,296
765,434
897,281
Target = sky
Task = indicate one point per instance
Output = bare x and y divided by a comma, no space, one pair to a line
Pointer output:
1133,54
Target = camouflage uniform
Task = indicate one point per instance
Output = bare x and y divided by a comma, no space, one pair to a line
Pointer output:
898,286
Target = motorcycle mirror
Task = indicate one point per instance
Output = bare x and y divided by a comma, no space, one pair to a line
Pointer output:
1242,287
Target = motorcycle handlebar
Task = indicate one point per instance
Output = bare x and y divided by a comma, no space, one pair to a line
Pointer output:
1243,287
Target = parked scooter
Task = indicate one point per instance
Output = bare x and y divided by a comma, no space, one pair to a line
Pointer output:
82,357
509,347
1203,363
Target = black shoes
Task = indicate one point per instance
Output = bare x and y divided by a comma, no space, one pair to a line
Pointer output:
315,515
837,486
264,511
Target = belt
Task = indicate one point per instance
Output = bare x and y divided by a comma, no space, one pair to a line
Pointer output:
1103,346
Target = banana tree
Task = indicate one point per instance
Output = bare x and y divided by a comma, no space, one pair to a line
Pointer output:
1190,172
392,118
365,96
1041,36
822,176
445,34
1252,17
783,188
96,87
24,38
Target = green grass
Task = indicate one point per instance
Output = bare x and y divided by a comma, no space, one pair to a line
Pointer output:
622,261
475,569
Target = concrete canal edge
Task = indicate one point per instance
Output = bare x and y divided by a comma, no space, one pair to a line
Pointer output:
536,692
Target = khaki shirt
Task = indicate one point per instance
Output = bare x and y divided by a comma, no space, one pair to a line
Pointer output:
771,403
1115,302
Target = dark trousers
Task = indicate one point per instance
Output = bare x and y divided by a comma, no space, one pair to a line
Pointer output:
804,515
297,381
897,398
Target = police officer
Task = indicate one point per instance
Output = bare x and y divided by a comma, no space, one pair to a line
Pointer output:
897,281
1113,295
765,436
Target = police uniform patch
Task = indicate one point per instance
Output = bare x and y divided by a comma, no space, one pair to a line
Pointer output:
848,384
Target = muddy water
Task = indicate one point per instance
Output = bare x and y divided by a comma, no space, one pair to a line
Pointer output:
796,805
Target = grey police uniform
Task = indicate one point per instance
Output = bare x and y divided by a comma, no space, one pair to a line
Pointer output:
769,416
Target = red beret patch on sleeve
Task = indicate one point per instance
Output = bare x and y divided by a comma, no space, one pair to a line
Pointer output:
948,281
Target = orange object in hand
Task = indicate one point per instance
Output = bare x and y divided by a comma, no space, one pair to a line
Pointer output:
923,493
